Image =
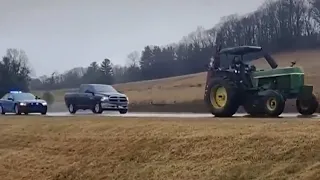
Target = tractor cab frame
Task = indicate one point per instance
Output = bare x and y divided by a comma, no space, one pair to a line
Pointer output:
231,62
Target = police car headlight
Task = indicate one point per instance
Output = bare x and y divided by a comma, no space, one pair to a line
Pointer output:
104,98
44,103
23,104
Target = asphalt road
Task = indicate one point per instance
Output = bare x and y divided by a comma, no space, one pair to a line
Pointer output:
59,109
164,115
63,113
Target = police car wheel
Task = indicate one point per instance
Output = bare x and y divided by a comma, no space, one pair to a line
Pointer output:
2,111
17,110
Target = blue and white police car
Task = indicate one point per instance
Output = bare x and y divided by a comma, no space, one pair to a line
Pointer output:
19,102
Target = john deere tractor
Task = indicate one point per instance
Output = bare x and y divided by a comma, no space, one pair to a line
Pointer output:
232,81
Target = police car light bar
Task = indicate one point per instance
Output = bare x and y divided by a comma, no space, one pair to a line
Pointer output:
15,91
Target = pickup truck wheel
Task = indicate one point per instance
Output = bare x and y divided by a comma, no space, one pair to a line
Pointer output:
97,109
123,111
72,108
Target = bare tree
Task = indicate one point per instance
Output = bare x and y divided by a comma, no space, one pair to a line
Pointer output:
316,9
133,59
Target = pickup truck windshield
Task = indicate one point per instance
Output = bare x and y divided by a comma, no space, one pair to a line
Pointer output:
104,88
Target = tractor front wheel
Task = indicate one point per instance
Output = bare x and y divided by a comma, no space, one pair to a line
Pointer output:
308,106
222,97
274,103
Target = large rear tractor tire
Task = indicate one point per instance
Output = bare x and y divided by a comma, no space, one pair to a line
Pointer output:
223,97
307,107
273,103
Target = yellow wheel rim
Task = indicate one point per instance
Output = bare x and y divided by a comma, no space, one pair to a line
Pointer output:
218,97
272,104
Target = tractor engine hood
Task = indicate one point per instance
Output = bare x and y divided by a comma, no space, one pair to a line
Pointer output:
278,72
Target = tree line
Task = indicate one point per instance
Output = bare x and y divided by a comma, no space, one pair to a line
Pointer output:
278,25
14,71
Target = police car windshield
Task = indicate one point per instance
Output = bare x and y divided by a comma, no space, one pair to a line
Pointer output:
23,96
104,88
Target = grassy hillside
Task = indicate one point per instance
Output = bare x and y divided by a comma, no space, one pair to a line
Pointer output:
185,90
79,148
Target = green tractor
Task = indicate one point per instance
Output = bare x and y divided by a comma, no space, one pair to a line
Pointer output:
232,81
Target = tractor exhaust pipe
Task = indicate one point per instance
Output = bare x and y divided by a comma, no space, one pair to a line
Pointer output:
271,61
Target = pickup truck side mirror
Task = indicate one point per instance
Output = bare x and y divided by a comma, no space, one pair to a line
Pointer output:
10,99
37,97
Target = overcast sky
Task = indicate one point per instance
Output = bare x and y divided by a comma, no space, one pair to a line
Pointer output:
58,35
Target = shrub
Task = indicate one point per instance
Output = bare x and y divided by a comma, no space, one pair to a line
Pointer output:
48,96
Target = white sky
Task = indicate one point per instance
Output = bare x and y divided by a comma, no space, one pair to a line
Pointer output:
58,35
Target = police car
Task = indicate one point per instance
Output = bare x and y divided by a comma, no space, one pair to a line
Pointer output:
19,102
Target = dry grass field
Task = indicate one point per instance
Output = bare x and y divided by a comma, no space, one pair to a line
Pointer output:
184,91
75,148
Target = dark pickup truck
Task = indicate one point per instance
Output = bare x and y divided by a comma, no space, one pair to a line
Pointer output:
98,98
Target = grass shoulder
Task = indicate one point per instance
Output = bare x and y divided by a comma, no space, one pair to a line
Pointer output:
155,148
